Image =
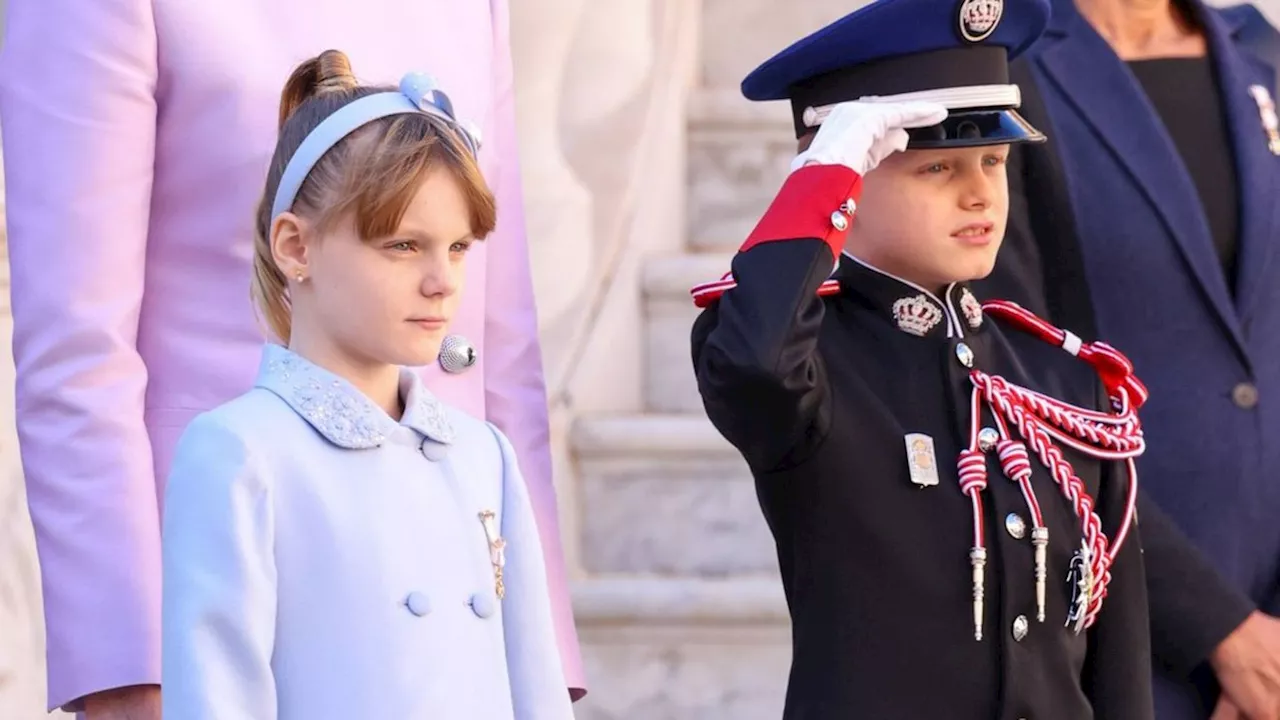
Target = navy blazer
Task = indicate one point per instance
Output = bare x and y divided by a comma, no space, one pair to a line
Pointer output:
1108,236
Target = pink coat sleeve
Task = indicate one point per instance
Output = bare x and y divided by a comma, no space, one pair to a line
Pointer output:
79,116
515,393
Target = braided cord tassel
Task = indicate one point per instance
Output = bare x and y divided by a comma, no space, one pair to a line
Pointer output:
1031,416
1016,465
973,480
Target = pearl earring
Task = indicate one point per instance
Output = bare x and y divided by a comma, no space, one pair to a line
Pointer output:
300,277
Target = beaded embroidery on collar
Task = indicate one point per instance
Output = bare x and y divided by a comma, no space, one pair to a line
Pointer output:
340,412
916,315
971,308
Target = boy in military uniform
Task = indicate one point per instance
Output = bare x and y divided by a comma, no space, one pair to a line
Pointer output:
889,417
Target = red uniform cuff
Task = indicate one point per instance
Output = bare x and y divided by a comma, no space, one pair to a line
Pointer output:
814,202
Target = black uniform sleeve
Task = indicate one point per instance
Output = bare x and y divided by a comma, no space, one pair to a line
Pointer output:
1117,673
1193,607
762,381
755,352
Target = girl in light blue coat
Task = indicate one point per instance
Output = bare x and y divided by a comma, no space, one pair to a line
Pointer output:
338,543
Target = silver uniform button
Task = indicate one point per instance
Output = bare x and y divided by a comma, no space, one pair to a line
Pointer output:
457,354
1016,526
987,439
1020,628
964,354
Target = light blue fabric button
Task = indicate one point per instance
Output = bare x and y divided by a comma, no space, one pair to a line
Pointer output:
483,605
433,450
402,435
418,603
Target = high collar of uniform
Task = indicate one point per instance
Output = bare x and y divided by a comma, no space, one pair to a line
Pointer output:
341,413
909,307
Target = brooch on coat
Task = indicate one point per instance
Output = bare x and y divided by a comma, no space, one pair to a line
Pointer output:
497,551
1267,112
1080,583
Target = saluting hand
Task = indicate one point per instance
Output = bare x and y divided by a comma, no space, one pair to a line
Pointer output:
1247,664
859,135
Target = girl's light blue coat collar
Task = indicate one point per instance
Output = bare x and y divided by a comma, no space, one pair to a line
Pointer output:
345,416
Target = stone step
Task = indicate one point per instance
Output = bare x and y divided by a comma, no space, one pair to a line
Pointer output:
670,386
739,153
667,649
633,601
665,495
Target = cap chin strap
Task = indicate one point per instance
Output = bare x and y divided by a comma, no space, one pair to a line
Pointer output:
418,93
953,98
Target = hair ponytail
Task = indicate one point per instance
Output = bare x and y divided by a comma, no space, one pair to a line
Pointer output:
270,292
328,72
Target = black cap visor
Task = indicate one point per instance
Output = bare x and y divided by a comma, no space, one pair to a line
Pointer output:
975,128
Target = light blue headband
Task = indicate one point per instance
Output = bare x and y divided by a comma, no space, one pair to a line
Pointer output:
418,94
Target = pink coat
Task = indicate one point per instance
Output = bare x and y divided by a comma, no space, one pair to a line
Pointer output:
136,139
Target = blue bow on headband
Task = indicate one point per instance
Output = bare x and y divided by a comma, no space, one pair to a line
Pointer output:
422,91
418,93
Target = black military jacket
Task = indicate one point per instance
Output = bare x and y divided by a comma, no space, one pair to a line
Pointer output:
818,395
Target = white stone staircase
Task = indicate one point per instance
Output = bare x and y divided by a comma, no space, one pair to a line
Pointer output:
683,616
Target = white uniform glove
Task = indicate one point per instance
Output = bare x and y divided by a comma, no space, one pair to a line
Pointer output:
859,135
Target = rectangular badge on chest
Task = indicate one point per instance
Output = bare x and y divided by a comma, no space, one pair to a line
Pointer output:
922,461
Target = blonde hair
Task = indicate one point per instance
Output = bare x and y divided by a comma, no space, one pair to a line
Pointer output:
373,173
